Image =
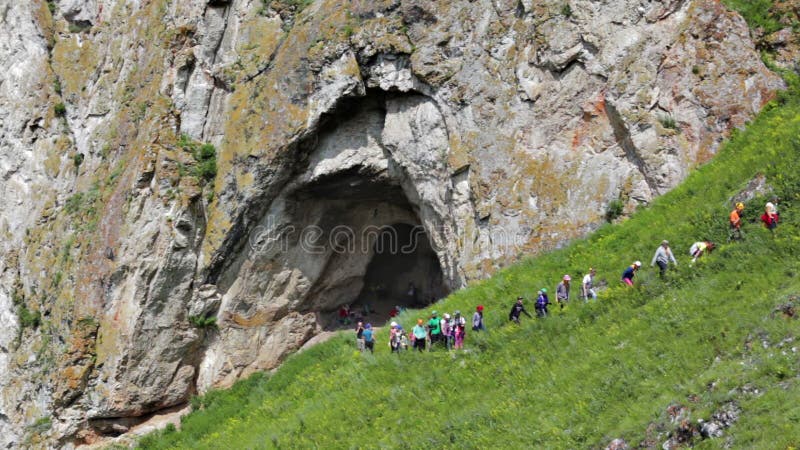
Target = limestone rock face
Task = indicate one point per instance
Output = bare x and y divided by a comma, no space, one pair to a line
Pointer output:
461,134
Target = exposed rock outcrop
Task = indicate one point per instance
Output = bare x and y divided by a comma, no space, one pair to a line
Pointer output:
133,278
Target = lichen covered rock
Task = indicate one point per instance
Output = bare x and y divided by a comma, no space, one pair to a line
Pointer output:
137,271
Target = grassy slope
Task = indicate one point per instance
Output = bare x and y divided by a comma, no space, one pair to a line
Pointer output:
585,375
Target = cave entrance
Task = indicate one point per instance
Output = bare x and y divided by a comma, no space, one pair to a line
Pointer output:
378,255
370,250
404,271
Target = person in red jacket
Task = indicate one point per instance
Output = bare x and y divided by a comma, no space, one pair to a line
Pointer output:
770,216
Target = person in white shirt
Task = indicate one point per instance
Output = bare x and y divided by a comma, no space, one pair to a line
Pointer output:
587,288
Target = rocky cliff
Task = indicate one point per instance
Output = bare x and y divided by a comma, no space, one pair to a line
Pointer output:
190,186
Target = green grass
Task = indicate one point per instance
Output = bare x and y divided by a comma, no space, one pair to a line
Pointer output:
757,13
587,374
205,159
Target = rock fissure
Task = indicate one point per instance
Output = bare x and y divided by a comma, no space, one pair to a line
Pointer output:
623,139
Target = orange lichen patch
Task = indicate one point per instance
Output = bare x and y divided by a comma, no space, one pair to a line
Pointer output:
258,319
73,377
77,361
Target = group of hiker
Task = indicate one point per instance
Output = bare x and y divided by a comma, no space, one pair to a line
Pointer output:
588,293
449,331
770,218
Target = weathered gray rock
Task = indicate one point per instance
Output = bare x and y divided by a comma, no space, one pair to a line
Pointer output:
479,131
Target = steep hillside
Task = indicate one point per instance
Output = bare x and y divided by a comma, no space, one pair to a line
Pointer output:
177,177
708,357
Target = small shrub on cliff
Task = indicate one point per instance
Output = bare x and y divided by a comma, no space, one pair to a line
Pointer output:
28,318
668,122
60,109
203,322
74,203
614,210
77,159
205,156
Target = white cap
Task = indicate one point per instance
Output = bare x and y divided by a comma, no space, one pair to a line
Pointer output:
637,263
394,324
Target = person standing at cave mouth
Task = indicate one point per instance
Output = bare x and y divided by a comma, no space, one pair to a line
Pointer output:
459,326
418,335
369,338
360,337
446,326
435,328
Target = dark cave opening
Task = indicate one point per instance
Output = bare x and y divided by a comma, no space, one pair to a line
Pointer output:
404,271
378,253
370,251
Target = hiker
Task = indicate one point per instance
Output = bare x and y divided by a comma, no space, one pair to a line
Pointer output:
516,310
587,287
698,249
403,338
344,314
770,216
434,328
394,337
418,335
736,222
446,325
562,291
477,319
630,272
459,328
662,257
360,336
369,338
541,303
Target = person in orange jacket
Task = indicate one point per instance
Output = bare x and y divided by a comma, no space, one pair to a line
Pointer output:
735,220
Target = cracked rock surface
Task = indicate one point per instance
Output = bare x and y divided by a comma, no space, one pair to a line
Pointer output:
491,128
